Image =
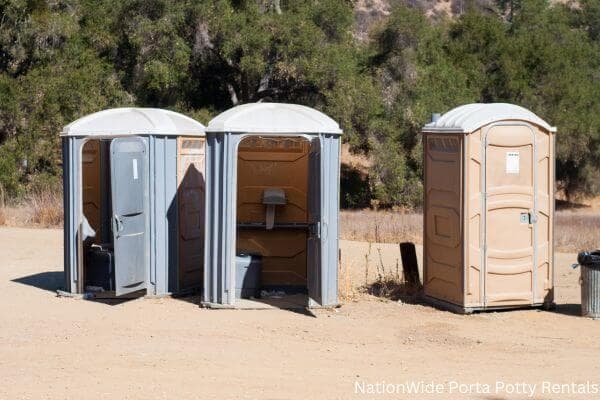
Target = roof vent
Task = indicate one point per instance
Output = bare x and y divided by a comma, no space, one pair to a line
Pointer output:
435,117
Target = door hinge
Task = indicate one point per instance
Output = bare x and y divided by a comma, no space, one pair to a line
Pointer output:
315,230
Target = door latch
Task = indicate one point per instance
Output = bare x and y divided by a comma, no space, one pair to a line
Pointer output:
532,218
528,218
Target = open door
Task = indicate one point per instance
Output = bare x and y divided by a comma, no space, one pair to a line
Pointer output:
510,215
314,215
129,185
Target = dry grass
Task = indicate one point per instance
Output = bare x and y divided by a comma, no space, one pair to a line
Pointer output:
575,230
42,209
381,226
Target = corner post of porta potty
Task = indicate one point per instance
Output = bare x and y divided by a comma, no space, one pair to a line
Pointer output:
272,204
489,208
133,183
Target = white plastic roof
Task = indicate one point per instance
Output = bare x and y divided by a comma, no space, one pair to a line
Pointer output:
134,121
273,118
470,117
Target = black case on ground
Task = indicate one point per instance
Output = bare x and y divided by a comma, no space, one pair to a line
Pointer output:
100,268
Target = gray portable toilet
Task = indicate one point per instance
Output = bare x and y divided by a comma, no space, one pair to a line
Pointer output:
272,179
133,202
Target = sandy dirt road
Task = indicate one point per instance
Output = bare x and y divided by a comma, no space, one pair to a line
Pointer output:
57,348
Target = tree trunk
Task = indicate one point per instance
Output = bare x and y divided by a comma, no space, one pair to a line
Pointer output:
233,94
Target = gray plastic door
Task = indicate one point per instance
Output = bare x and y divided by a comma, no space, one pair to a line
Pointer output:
129,186
314,212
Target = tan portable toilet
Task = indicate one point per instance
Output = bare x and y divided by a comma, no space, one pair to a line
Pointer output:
489,208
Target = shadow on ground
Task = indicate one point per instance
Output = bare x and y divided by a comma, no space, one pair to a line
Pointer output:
54,280
573,310
50,281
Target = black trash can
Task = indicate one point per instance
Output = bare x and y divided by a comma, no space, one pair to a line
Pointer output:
247,277
590,283
100,272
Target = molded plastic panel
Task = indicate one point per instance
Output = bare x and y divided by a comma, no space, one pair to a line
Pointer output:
191,195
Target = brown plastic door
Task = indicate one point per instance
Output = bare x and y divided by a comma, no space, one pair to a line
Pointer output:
509,215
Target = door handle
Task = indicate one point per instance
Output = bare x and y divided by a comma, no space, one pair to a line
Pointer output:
532,217
118,224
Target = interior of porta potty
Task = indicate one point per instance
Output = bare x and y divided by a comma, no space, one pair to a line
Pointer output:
479,252
97,209
273,208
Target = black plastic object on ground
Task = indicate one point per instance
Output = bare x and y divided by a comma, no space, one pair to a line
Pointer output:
247,277
100,271
589,259
590,283
410,265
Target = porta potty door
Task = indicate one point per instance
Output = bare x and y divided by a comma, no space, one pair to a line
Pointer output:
510,215
314,234
130,210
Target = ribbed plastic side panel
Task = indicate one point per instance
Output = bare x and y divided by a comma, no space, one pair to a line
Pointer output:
590,292
71,194
219,218
330,208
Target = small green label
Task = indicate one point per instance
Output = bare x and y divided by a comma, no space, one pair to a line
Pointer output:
524,218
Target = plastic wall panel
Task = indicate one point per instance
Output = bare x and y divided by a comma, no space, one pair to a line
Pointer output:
330,206
443,251
191,198
71,207
220,224
474,221
163,220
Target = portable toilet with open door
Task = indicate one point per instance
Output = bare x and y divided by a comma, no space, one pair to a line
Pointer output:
272,206
134,203
489,208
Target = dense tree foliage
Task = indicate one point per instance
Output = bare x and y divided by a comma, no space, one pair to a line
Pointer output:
62,59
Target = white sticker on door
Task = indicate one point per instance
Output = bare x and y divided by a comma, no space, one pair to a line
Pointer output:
512,162
135,170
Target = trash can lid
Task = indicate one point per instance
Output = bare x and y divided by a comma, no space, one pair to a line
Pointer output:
589,259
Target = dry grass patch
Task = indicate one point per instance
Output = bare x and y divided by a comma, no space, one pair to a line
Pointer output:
46,208
42,209
575,229
381,226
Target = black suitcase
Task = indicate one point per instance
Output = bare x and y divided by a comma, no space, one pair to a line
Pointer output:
100,269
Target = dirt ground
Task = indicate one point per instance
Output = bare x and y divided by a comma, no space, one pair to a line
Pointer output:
53,347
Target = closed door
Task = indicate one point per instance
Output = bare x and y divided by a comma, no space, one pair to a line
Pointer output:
510,214
129,183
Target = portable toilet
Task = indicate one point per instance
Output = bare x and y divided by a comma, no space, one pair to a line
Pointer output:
133,202
272,181
489,208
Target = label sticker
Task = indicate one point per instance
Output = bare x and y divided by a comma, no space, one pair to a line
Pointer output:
512,162
135,171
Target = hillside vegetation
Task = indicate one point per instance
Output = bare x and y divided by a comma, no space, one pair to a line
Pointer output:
378,67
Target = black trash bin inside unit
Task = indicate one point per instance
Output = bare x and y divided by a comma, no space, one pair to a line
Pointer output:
100,272
247,277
